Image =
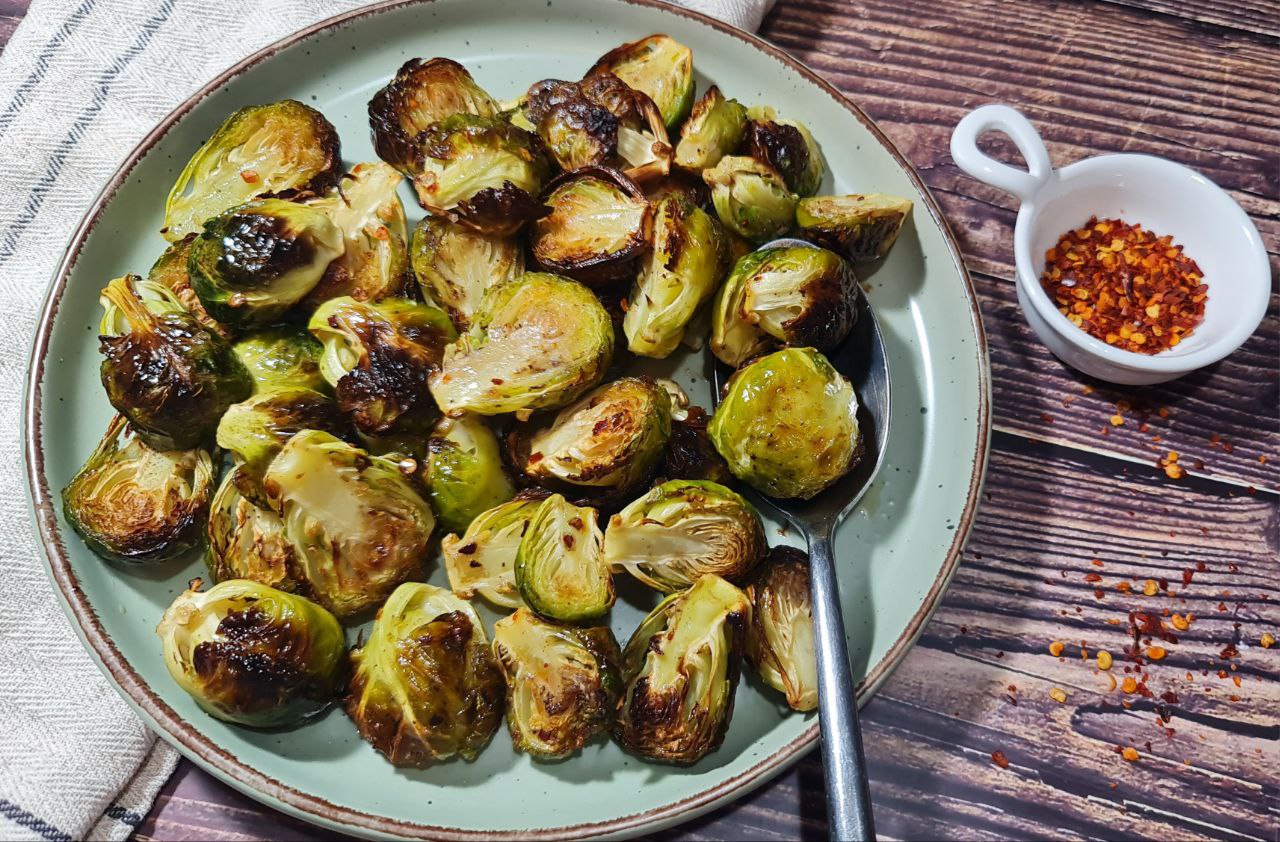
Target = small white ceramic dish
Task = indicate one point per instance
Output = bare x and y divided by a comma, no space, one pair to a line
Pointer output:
1163,197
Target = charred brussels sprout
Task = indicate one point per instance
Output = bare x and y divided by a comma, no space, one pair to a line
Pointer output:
455,265
681,668
422,93
682,185
735,338
780,637
563,683
560,571
788,424
254,262
170,272
787,147
680,273
425,687
253,655
801,295
713,130
283,357
279,149
536,343
600,222
170,376
751,198
247,541
681,530
859,227
358,526
464,471
659,67
690,454
483,561
378,357
131,503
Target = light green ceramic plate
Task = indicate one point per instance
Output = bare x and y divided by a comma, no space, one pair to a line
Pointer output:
897,552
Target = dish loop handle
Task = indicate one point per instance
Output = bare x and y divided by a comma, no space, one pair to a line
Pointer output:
975,162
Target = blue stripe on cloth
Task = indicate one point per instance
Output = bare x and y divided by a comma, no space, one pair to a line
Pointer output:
120,814
22,818
42,63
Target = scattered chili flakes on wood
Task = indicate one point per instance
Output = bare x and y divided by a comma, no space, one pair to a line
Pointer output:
998,758
1055,648
1130,754
1156,653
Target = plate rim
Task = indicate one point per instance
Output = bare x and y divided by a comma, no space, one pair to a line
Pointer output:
200,749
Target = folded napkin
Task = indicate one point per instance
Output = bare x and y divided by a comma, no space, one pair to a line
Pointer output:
81,82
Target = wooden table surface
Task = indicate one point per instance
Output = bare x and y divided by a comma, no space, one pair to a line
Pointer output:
965,739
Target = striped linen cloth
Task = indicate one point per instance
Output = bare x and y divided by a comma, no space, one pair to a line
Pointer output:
81,82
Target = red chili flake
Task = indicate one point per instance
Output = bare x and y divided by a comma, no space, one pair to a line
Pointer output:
535,458
576,523
999,759
1098,593
1228,652
249,176
999,654
497,381
1222,606
1201,566
467,549
568,540
1092,577
1186,577
1046,418
1227,447
1097,562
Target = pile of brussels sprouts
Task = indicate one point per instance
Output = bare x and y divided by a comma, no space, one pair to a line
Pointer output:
358,385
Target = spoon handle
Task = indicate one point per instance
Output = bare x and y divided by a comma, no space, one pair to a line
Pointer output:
848,796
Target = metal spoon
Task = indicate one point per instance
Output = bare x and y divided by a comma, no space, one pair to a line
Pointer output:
862,359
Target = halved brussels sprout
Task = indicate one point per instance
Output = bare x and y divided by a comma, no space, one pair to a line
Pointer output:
374,263
482,172
170,271
735,338
684,185
131,503
421,93
690,454
246,541
537,343
170,376
425,687
455,266
681,668
751,198
563,683
464,471
610,439
780,637
788,424
681,272
787,147
600,222
358,526
282,357
254,262
279,149
659,67
801,295
683,529
483,561
378,357
560,571
859,227
713,130
251,654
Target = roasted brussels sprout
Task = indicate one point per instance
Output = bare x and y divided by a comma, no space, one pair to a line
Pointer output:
420,94
858,227
536,343
246,541
685,185
788,424
690,454
681,668
482,172
560,570
751,198
780,636
425,687
170,376
282,357
689,257
251,654
483,561
170,272
358,526
563,683
374,263
683,529
800,295
713,130
134,504
464,471
455,265
787,147
255,261
600,222
378,356
608,440
279,149
659,67
735,338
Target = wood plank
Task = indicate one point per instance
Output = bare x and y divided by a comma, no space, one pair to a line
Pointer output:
1256,18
